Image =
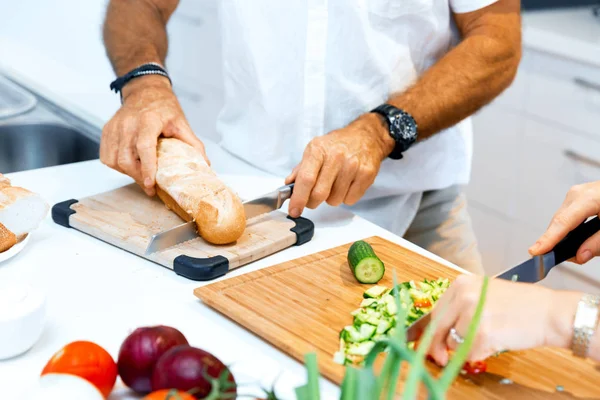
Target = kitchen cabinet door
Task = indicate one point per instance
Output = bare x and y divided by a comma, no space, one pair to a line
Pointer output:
492,233
497,136
553,160
565,92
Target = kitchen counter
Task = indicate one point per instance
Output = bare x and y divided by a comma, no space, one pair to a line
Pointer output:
100,293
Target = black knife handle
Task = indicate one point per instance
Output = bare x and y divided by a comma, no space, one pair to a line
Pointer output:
567,248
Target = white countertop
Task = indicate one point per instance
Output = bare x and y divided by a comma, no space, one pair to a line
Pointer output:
100,293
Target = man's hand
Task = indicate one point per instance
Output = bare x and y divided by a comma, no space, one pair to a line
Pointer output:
581,202
339,167
150,109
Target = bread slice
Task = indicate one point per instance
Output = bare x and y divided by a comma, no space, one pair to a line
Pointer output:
7,239
21,211
189,187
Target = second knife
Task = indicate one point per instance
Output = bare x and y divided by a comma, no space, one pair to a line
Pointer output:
252,208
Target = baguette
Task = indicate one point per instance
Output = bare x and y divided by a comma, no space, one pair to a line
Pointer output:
188,186
7,239
21,211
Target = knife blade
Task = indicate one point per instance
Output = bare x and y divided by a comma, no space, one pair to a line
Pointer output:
187,231
532,270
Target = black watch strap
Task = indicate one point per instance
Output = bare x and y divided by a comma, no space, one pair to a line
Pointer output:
144,69
402,128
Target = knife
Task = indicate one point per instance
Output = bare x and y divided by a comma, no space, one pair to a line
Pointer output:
252,208
532,270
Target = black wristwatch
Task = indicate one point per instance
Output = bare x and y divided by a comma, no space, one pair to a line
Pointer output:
402,128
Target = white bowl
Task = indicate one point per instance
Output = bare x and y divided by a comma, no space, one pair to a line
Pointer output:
22,318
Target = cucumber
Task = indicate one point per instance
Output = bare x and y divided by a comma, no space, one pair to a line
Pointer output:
374,292
364,263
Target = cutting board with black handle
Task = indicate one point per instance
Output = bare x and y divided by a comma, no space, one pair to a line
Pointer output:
300,306
127,218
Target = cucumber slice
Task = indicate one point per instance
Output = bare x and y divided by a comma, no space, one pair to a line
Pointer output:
360,349
351,334
374,292
364,263
383,326
367,302
366,332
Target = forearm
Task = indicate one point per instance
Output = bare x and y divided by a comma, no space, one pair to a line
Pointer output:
468,77
135,32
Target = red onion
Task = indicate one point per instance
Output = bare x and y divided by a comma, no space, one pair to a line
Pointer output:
141,350
185,367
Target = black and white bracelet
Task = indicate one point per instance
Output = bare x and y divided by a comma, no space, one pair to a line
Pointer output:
144,69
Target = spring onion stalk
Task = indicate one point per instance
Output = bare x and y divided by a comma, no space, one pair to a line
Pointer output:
455,365
411,388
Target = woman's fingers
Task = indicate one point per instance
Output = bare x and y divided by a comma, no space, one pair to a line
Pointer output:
581,202
589,249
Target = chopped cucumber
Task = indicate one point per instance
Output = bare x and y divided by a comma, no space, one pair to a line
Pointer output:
368,302
383,326
339,357
376,318
364,263
375,292
360,349
366,332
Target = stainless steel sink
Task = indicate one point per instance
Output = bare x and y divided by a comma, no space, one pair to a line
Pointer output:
31,146
43,134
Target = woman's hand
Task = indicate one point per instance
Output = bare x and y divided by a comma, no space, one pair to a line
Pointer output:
516,316
582,201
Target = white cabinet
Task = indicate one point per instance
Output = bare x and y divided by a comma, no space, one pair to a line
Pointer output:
493,237
498,133
565,92
551,164
532,144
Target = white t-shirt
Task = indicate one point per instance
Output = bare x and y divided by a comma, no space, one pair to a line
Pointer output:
298,69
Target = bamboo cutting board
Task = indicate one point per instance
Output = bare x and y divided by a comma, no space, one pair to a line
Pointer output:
301,305
127,218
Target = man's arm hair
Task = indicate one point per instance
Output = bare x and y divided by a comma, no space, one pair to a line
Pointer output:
472,74
135,32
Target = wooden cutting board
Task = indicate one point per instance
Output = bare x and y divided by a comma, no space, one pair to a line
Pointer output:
127,218
301,305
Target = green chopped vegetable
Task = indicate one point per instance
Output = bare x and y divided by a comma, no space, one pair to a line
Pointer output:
376,318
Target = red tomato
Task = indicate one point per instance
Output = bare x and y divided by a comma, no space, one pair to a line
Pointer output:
169,394
88,361
422,303
475,368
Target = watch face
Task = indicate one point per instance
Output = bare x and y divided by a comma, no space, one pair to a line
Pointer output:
405,128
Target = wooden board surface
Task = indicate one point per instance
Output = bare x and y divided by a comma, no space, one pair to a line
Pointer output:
127,218
301,305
